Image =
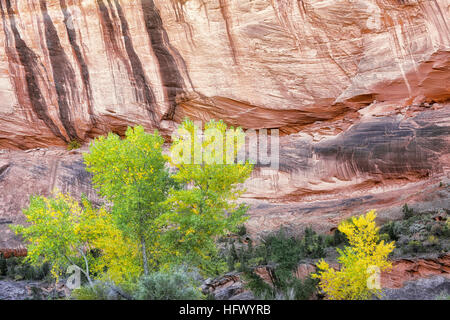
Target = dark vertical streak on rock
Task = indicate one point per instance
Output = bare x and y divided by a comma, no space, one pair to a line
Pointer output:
12,60
109,33
226,17
136,66
63,74
170,75
179,14
29,61
79,57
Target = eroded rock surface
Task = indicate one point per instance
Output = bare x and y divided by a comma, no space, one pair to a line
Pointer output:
359,90
72,69
406,270
433,288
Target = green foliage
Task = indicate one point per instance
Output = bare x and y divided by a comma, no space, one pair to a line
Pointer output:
446,229
73,144
286,251
392,229
407,212
385,237
419,233
132,174
100,291
281,254
443,296
336,239
18,269
3,265
278,254
278,248
62,232
175,284
281,249
415,246
97,292
242,231
207,209
290,289
312,244
437,229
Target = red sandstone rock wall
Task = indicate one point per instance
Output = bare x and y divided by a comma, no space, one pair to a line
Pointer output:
359,89
71,69
413,269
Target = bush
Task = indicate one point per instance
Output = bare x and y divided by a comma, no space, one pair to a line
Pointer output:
443,296
407,212
280,253
385,237
241,258
392,229
436,229
281,249
291,288
433,241
312,245
446,229
242,230
168,285
360,262
100,291
19,269
73,144
3,265
336,239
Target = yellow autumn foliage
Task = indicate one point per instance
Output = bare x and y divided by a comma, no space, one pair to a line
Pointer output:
62,230
361,262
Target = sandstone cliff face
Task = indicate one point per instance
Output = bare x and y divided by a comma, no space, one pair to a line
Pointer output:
72,69
358,88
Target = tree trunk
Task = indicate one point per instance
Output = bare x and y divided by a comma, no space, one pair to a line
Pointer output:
86,272
144,256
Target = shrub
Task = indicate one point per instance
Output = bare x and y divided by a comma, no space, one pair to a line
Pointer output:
64,232
432,241
294,289
241,258
281,254
73,144
414,246
385,237
392,229
443,296
290,289
336,239
3,265
20,269
281,249
312,245
446,229
175,284
436,229
359,262
407,212
100,291
242,230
